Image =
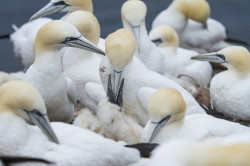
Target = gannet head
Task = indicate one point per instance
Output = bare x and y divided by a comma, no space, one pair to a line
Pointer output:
165,106
86,23
133,16
198,10
58,34
120,47
55,6
24,100
164,36
234,58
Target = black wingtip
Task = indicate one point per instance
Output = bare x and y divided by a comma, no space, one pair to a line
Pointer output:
7,160
5,36
236,41
145,149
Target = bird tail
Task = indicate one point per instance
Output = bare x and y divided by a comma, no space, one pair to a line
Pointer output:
145,149
5,36
14,159
236,41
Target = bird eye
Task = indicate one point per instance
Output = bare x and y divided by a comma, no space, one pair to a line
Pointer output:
68,39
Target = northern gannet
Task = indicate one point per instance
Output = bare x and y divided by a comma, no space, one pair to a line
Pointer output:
167,108
120,70
69,6
23,38
46,73
133,17
188,153
229,89
177,60
19,101
83,66
191,21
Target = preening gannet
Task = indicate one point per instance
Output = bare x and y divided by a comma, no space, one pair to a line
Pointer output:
23,38
177,60
83,66
129,82
133,18
18,101
188,153
167,108
46,73
191,21
229,89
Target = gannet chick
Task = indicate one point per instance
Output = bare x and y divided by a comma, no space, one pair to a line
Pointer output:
83,67
167,108
188,153
118,126
20,100
228,89
191,21
23,38
46,74
132,83
133,17
177,60
110,122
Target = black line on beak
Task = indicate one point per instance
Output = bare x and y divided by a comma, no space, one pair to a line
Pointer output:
110,94
61,3
119,100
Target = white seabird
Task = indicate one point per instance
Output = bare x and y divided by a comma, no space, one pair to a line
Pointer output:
229,89
128,82
177,60
23,38
167,108
133,18
19,101
46,73
83,66
191,21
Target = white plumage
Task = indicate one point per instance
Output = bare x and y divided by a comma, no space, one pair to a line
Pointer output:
191,21
76,146
137,76
23,40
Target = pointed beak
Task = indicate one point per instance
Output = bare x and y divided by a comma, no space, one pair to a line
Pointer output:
115,88
43,123
211,57
157,42
136,31
82,43
204,25
153,129
50,8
